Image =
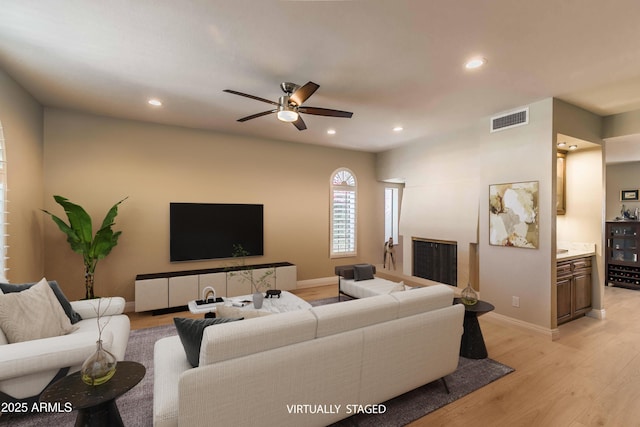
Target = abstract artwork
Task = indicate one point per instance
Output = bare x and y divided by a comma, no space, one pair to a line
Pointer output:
513,214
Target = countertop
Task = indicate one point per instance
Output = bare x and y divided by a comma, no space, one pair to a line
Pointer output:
574,250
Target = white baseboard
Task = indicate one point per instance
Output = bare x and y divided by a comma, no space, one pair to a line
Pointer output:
312,283
554,334
599,314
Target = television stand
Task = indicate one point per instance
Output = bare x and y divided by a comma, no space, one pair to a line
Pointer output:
168,290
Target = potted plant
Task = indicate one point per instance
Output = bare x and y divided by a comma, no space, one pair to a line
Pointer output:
80,236
259,283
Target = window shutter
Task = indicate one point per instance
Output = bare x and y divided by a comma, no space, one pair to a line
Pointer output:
343,214
3,209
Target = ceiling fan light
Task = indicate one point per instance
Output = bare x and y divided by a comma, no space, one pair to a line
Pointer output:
287,116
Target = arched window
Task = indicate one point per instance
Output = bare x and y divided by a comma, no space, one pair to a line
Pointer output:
3,210
343,213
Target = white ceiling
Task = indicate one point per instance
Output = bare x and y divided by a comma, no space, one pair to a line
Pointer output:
392,63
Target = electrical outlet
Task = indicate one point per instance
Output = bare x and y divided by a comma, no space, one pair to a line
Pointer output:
515,301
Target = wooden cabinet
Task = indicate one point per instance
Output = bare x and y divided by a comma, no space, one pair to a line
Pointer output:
623,263
436,260
573,288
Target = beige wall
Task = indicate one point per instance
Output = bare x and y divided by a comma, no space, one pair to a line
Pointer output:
446,193
621,124
621,176
21,117
96,161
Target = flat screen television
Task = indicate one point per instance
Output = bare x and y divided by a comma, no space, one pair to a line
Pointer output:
201,231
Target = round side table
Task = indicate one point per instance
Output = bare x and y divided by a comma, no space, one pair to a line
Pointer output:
472,345
96,405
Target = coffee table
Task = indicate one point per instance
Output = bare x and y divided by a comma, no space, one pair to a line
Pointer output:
286,302
472,345
96,404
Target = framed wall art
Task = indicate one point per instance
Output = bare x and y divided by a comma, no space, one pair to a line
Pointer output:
628,195
513,214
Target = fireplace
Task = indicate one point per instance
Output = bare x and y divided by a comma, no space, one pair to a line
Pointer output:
435,260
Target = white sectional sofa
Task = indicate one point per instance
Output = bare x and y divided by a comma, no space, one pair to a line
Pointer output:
356,287
26,368
253,372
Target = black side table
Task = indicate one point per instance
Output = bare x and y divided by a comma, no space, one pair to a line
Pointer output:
96,404
472,345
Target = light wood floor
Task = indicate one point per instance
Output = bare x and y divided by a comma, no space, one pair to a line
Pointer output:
589,377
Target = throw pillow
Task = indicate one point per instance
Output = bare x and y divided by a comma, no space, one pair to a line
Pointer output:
347,273
190,332
33,314
398,288
223,311
64,302
362,272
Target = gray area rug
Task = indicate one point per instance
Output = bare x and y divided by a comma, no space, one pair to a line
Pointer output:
404,409
136,406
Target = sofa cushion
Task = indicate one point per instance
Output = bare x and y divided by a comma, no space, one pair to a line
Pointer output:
33,314
336,318
362,272
190,332
423,299
250,336
64,302
399,287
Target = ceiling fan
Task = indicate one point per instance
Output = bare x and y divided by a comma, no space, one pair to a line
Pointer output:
289,105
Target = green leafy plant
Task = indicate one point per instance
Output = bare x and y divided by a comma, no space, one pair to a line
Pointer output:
246,273
80,236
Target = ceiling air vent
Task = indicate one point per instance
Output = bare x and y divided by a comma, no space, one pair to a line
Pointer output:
510,120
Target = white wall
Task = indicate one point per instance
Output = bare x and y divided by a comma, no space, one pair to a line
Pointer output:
447,191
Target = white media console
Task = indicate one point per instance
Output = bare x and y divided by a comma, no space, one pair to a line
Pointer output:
159,291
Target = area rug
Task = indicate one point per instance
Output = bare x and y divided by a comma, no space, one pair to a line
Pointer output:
136,406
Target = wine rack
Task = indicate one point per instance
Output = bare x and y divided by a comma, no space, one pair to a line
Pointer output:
620,275
623,266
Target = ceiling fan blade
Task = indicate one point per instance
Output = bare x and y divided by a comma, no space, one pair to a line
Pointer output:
303,93
257,98
255,116
325,112
300,123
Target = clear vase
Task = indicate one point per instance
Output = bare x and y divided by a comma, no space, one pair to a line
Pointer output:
99,367
258,298
469,296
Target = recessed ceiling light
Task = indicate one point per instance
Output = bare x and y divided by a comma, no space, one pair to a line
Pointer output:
562,144
398,129
155,102
475,63
331,131
573,147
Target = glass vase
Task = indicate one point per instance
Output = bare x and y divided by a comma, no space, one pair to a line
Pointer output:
258,299
99,367
469,296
